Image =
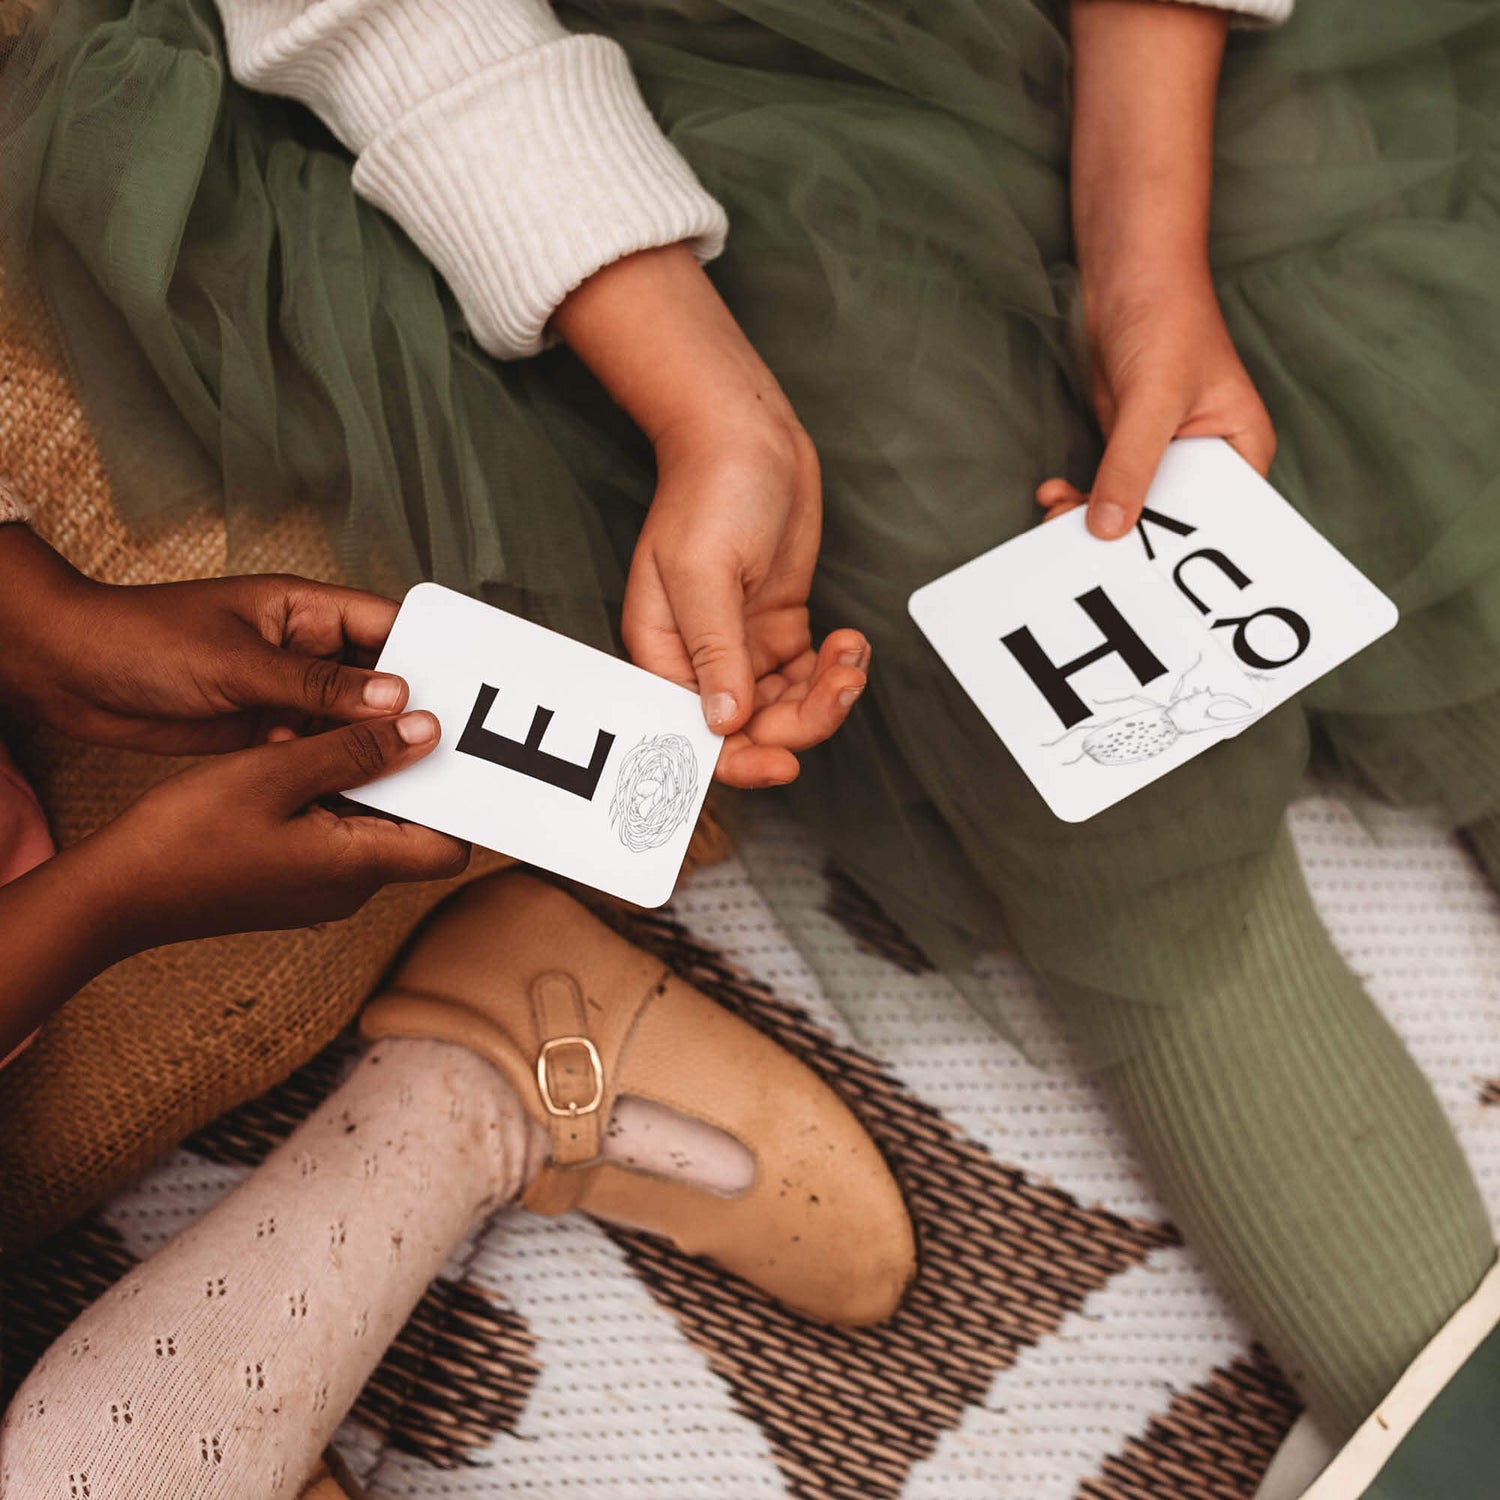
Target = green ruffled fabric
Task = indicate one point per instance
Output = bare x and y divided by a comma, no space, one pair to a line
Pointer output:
244,329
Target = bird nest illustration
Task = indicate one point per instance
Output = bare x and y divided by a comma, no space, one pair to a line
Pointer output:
655,792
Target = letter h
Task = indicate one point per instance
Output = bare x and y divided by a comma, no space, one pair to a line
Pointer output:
1052,680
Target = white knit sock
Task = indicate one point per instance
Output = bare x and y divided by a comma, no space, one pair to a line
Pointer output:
219,1368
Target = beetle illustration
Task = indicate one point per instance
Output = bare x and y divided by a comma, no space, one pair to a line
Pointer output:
1152,728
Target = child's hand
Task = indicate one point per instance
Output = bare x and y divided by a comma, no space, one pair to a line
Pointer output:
717,596
1162,367
238,843
242,843
184,668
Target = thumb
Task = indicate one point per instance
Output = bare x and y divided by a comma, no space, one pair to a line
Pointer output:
342,760
1136,444
710,614
403,851
314,686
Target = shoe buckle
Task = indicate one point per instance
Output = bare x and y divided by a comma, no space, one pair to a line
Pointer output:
544,1082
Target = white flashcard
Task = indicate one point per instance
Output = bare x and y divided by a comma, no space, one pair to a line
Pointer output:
551,751
1090,666
1286,602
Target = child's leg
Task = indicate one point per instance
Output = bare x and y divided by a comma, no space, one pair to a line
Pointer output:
221,1366
1301,1152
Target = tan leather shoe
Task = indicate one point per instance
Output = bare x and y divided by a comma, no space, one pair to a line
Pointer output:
576,1017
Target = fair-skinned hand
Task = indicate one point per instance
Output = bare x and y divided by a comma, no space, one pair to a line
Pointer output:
185,668
1161,362
717,594
1162,367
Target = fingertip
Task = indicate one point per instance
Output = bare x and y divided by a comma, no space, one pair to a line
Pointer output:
843,649
782,774
1052,492
1109,521
757,767
279,734
420,729
453,859
719,710
384,693
841,684
855,655
725,712
367,617
841,679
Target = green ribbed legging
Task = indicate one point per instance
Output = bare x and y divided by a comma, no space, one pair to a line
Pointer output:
1301,1152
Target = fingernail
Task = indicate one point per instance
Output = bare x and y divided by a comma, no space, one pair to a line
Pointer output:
718,708
852,658
418,728
1108,519
382,692
849,697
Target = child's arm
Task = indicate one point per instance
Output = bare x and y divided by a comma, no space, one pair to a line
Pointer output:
718,587
237,843
518,155
1162,364
522,161
56,933
184,668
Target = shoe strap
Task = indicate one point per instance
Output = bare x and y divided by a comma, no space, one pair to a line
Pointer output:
580,1050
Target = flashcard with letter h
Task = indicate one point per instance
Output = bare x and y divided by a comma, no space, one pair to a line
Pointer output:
1087,663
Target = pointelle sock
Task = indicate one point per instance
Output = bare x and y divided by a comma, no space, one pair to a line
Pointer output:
220,1367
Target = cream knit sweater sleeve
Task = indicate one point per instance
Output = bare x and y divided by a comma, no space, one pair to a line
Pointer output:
518,156
1252,12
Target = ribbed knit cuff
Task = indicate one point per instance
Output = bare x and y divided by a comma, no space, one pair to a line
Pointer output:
1251,12
11,508
519,157
522,181
360,65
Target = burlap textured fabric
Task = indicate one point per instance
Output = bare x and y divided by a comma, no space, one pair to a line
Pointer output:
170,1039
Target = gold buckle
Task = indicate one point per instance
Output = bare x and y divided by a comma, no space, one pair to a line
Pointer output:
543,1083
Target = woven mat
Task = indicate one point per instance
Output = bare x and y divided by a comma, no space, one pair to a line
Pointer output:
1060,1341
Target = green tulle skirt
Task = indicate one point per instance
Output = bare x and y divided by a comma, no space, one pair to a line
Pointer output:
244,330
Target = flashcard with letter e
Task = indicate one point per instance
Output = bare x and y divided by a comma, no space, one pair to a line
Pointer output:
551,751
1282,598
1096,673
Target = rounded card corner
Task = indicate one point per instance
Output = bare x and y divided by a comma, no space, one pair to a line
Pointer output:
1074,817
655,900
422,589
